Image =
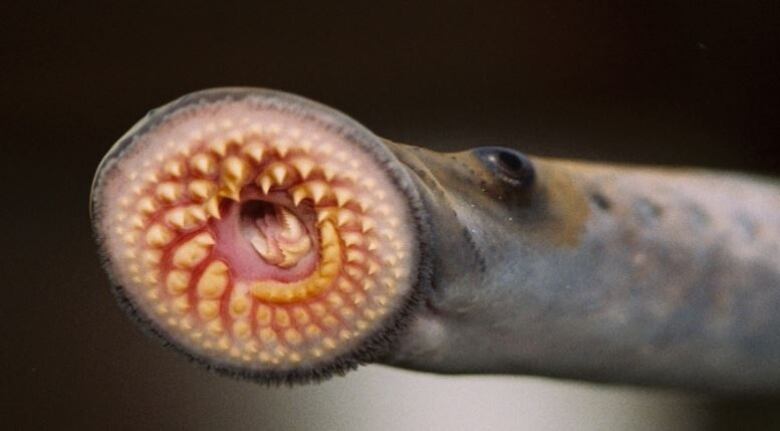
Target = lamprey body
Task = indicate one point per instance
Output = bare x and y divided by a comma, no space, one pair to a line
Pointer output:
269,237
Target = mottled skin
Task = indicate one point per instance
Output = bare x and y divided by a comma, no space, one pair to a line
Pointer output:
620,274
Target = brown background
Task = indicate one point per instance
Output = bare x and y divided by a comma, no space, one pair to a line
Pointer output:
661,82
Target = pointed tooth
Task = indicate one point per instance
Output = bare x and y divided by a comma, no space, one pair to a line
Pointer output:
168,192
279,172
197,213
208,309
265,183
282,146
212,208
299,194
152,257
147,205
177,281
181,218
344,217
255,151
352,238
231,193
203,164
158,235
219,146
202,189
342,196
373,267
191,253
204,238
372,245
355,256
174,168
367,224
213,281
318,190
304,166
329,172
234,170
263,315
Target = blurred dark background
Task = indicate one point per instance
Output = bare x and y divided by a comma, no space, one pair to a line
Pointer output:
662,82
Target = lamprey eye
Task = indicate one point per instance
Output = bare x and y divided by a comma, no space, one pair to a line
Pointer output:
511,166
262,234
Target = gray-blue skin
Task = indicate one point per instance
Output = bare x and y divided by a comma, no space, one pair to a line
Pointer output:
631,275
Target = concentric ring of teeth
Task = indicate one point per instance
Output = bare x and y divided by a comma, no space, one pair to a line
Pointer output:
324,263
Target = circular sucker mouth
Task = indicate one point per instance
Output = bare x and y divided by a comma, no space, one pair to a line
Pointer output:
262,234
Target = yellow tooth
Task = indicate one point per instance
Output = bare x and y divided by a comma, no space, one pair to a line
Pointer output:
326,214
300,315
212,208
197,213
152,257
330,321
355,256
293,337
219,146
208,309
267,335
265,183
177,281
279,173
146,205
282,318
203,164
328,233
174,168
137,222
335,300
239,306
299,194
313,331
345,286
158,235
202,189
329,172
342,196
213,281
373,267
181,304
352,238
372,244
241,329
318,309
263,315
282,146
367,224
215,327
344,217
182,218
304,166
234,171
318,189
192,252
168,192
254,151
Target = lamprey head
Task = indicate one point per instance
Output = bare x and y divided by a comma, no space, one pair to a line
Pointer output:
262,234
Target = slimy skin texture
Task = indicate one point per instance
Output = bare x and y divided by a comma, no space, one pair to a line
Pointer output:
269,237
631,275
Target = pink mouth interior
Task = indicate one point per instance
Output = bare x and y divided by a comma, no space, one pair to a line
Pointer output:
234,246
